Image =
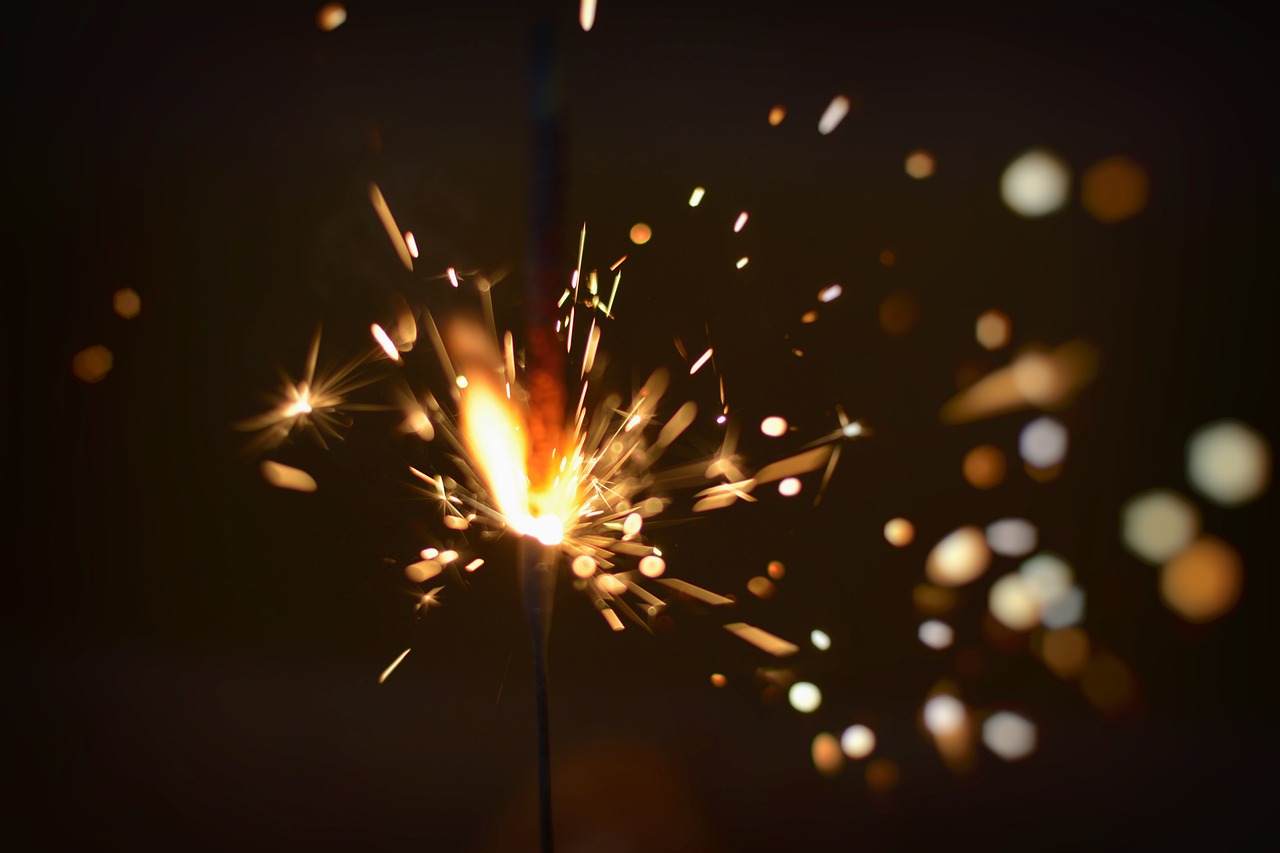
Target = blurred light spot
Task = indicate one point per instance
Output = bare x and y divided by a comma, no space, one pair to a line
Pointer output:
718,680
933,600
1043,443
882,774
422,571
1114,189
776,569
453,276
454,522
384,341
827,757
809,317
474,564
777,114
773,426
1012,537
92,364
993,329
1036,378
958,558
611,585
1204,581
944,715
804,697
1010,736
789,487
587,14
830,293
984,466
1012,603
898,314
411,243
1109,685
430,553
887,258
287,477
1040,378
583,566
899,532
696,198
461,381
447,557
820,640
1048,577
920,164
1065,651
1229,462
761,587
1157,524
742,221
936,635
833,115
331,16
127,303
632,523
858,741
1035,184
1064,611
640,233
652,567
742,262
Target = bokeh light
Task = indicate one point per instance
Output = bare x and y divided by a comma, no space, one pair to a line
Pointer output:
126,303
993,329
1010,736
828,759
833,114
1012,537
936,635
1065,651
331,16
944,715
1012,603
287,477
774,426
641,233
1036,183
805,697
761,587
1043,443
776,569
1229,462
1204,581
92,364
984,466
695,198
1157,524
858,741
789,487
897,314
1114,189
920,164
899,532
820,640
882,775
777,114
959,557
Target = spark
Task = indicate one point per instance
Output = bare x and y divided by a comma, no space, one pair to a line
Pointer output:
740,223
287,477
696,198
701,361
395,663
587,15
389,223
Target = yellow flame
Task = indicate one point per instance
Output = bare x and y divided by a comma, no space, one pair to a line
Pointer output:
499,445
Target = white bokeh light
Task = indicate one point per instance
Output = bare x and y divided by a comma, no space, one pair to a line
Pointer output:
1043,443
1036,183
1010,736
1228,462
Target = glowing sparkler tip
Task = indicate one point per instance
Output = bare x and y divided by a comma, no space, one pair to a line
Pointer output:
547,529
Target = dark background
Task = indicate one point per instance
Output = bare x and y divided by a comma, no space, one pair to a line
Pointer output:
192,655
